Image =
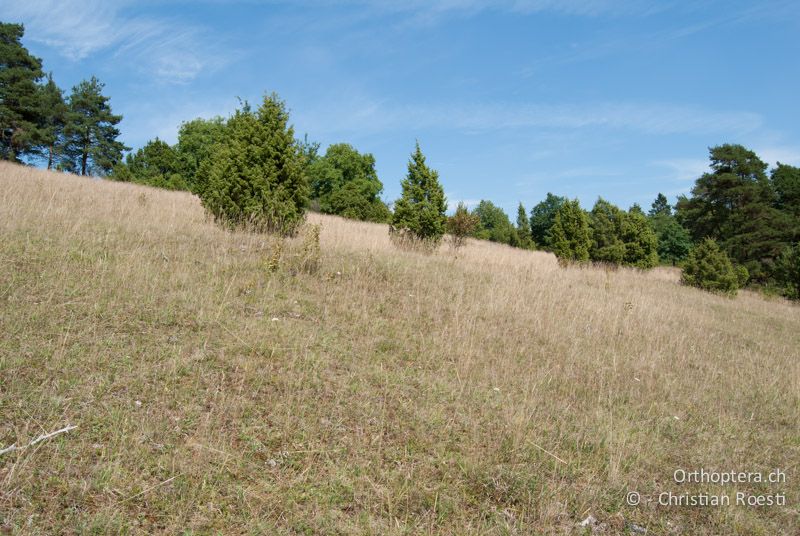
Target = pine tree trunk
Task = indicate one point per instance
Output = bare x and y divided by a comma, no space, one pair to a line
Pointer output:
84,161
50,158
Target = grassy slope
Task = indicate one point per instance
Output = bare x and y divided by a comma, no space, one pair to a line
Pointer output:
388,393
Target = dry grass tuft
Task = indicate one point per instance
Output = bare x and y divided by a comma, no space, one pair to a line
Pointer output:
233,383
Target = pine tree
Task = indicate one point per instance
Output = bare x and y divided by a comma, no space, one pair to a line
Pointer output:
52,122
570,235
419,214
660,207
19,94
785,181
91,130
254,177
735,205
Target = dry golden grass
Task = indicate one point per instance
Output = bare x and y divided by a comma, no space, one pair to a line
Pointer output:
221,385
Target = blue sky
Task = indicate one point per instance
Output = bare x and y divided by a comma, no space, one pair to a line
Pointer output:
509,99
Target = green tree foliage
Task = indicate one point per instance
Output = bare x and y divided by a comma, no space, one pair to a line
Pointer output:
19,93
620,237
155,164
570,236
359,200
660,207
787,272
309,150
607,227
419,214
91,131
462,224
254,177
709,268
542,217
494,224
50,139
524,229
344,182
786,183
640,241
674,241
196,141
734,204
636,209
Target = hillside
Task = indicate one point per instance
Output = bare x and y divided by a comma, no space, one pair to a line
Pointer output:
227,383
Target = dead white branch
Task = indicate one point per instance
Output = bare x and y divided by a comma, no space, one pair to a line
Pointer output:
37,440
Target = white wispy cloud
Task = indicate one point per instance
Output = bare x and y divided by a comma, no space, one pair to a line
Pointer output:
571,7
682,170
687,170
145,119
359,115
774,154
76,29
167,49
675,176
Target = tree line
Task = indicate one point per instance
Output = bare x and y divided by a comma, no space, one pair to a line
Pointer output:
39,124
740,225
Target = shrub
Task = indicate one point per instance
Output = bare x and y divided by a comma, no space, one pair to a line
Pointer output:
606,224
461,225
623,238
641,242
254,177
742,275
570,236
709,268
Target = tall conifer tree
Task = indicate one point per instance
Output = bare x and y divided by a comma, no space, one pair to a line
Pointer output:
52,122
92,130
420,211
19,94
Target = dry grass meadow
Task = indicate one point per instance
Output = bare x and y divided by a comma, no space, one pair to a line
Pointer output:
230,383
